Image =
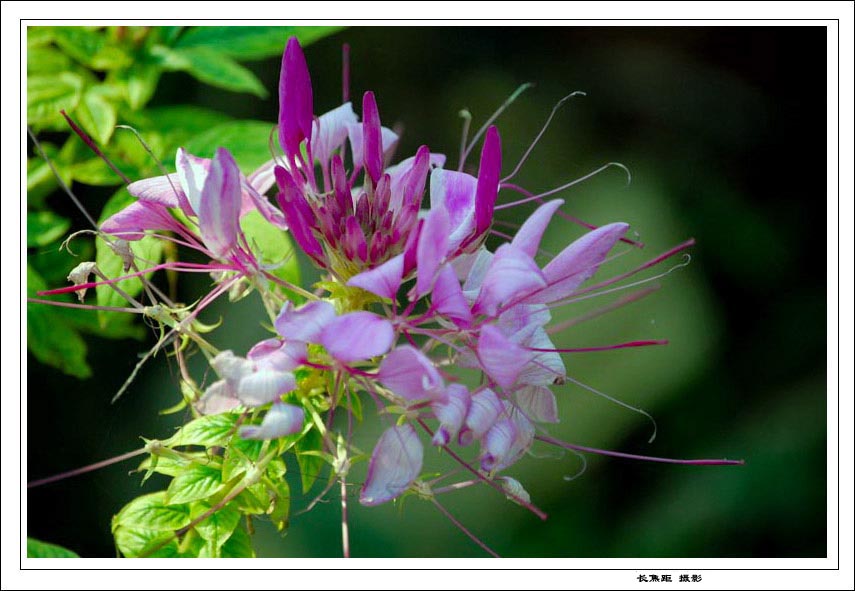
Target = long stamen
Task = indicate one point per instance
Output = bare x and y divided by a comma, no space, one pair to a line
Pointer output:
540,134
520,89
572,183
93,146
603,348
618,454
619,403
86,469
627,299
462,528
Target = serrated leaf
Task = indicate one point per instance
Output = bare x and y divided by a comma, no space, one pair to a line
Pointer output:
151,512
194,484
44,227
39,549
246,140
272,246
239,545
217,528
148,543
47,95
213,67
207,431
96,115
240,455
147,251
50,339
310,464
250,43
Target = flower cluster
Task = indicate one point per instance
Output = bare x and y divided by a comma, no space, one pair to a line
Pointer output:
411,292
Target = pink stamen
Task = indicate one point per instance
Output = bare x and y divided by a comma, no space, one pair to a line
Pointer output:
85,306
618,454
85,469
562,214
628,299
603,348
93,146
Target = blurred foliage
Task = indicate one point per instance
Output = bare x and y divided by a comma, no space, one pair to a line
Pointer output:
720,149
104,76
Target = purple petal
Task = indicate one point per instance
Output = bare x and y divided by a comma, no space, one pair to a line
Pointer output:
407,372
219,205
545,367
399,176
278,354
298,214
160,189
263,177
538,403
431,250
357,336
455,191
295,100
488,180
448,299
578,262
281,420
372,148
330,131
306,322
523,440
131,222
497,443
218,398
395,463
231,368
512,275
252,199
355,135
192,173
451,413
264,385
529,235
484,409
384,280
501,359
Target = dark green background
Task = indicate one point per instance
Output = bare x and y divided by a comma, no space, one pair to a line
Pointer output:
724,131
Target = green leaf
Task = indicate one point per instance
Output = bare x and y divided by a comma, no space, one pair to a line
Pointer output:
151,512
96,115
217,528
207,431
250,43
95,171
139,82
193,484
50,339
310,464
39,36
272,246
238,546
44,227
39,549
47,95
147,251
246,140
240,456
281,506
46,60
141,542
213,67
91,48
176,124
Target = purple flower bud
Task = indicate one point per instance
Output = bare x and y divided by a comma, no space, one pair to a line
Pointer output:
488,180
295,100
451,413
281,420
395,463
497,443
372,150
